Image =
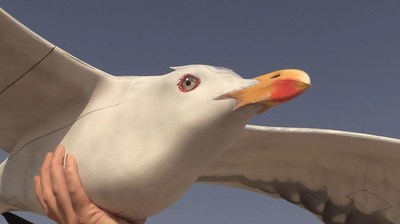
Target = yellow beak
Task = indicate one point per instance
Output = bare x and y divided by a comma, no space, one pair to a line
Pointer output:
272,89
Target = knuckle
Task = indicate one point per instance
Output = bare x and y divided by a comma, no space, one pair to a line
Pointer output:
57,191
73,193
46,199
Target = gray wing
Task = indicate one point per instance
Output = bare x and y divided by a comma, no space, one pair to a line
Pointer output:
343,177
43,88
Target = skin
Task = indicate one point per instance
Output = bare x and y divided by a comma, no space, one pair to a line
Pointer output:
62,196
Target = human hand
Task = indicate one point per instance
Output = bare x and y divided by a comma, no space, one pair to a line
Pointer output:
61,194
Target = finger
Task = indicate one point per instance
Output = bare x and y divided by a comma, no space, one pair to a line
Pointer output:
38,193
47,191
79,198
59,186
45,182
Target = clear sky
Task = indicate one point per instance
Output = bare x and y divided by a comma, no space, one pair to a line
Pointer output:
351,50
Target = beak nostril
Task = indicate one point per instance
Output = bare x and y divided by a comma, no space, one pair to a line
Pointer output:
275,76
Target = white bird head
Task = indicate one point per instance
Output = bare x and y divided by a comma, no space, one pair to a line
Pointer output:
210,103
219,91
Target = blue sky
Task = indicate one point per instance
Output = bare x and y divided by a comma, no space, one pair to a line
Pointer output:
351,50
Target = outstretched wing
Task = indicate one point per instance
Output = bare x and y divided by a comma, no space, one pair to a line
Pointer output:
43,88
343,177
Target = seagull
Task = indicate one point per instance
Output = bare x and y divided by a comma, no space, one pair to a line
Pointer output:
142,141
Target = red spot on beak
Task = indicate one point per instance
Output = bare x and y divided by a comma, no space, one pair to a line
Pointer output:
285,90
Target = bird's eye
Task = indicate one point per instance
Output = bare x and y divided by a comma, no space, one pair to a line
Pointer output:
188,83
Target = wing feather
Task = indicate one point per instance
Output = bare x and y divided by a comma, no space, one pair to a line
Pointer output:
43,88
20,50
342,177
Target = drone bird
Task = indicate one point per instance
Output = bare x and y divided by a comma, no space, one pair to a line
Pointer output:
141,142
